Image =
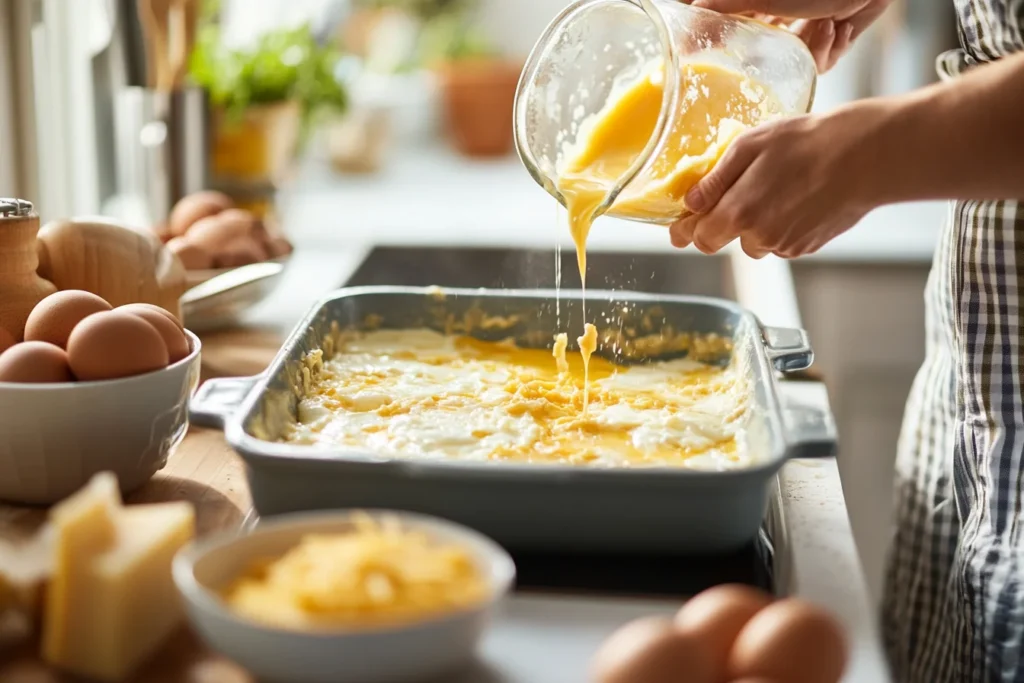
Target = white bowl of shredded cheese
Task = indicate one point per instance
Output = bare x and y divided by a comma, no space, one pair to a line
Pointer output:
345,597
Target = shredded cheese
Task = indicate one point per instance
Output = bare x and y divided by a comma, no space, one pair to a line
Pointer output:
423,395
378,574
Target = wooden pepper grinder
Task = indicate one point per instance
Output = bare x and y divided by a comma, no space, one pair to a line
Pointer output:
21,288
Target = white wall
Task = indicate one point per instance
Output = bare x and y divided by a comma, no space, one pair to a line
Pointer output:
517,24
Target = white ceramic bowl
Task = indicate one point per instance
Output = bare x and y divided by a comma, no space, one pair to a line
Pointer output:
55,437
397,654
220,300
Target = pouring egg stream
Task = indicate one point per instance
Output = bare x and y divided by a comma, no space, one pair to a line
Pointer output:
715,105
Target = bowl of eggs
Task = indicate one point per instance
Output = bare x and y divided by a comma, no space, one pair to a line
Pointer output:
728,634
91,388
216,241
345,596
211,236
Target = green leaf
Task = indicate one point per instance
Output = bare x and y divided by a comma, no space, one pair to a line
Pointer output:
450,37
283,65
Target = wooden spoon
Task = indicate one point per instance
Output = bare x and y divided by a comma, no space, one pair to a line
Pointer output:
155,16
186,13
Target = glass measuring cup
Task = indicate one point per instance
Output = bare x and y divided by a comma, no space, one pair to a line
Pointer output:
595,49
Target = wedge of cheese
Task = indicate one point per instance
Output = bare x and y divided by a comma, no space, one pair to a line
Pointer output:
111,600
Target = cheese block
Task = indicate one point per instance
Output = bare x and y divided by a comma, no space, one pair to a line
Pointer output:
111,601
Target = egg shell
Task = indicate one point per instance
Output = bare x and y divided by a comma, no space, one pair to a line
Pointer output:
7,340
216,232
35,362
192,256
195,207
240,252
168,327
54,317
156,309
161,231
115,344
219,672
791,641
278,246
651,650
716,616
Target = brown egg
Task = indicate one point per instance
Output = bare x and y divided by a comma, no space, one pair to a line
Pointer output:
7,340
650,650
115,344
161,231
219,671
240,252
791,641
131,308
192,256
35,362
216,232
195,207
717,616
54,317
278,246
166,324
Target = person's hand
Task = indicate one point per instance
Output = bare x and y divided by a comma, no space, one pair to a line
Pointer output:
828,27
788,187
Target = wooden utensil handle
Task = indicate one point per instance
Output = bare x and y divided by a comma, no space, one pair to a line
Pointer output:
154,15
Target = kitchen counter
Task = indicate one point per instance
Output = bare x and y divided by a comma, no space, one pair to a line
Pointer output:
823,565
435,199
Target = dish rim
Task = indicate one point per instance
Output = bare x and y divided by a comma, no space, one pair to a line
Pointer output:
195,349
500,567
272,453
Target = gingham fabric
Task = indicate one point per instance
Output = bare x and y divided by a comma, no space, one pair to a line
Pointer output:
953,609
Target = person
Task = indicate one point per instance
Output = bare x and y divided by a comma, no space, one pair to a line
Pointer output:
953,604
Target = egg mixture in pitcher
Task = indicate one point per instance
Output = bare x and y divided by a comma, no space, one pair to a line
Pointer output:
716,104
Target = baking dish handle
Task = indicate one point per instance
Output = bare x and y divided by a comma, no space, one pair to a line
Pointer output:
218,399
810,427
788,348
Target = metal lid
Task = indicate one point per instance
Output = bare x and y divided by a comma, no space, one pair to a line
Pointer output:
14,207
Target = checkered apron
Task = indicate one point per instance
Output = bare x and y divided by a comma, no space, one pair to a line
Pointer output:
954,596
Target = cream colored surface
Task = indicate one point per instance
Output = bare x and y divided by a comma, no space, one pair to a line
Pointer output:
419,394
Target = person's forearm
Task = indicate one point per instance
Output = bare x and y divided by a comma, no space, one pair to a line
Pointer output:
962,139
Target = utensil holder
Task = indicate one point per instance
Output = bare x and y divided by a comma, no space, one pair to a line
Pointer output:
163,147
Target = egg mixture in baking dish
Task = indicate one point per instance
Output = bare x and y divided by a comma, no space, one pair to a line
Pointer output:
419,394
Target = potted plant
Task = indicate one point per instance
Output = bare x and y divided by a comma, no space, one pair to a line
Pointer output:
264,98
478,85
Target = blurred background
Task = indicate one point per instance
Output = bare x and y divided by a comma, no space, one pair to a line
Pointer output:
351,121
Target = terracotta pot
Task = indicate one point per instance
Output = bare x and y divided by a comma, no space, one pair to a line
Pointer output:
260,147
477,97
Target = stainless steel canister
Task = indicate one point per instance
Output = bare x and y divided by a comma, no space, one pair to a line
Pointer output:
163,149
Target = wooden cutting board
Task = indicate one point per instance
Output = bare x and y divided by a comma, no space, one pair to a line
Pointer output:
204,471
